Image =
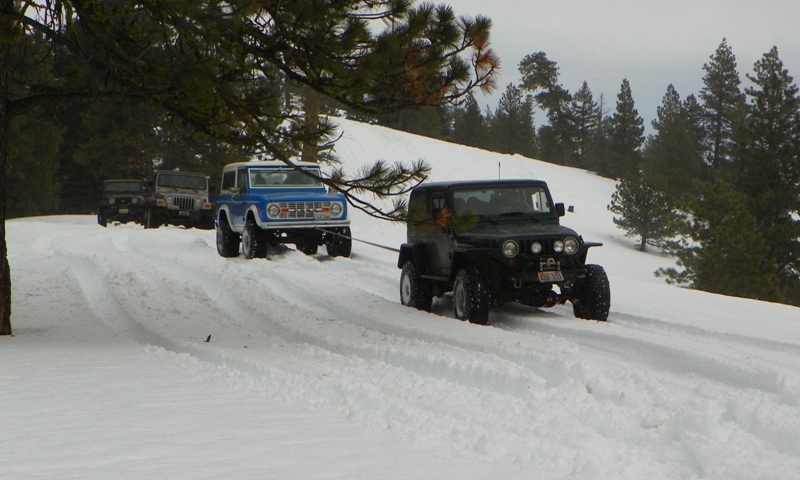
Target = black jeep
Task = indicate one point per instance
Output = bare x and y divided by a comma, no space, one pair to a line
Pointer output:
491,242
122,201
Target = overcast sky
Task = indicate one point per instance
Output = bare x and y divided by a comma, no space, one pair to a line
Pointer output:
651,43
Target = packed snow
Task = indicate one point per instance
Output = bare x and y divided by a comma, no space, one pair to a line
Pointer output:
143,354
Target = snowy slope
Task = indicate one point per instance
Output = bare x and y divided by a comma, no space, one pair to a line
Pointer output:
314,369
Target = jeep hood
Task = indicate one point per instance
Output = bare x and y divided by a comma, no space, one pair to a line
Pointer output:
486,231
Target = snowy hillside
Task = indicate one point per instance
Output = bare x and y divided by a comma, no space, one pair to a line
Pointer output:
313,369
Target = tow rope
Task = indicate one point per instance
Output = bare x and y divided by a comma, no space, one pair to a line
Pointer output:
391,249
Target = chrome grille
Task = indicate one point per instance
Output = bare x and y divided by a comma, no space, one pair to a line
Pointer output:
304,209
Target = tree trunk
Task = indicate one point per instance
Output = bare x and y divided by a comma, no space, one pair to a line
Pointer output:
312,107
6,37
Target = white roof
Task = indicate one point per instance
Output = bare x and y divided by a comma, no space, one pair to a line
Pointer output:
268,163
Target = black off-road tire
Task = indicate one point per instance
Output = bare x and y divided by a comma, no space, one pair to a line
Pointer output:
339,243
415,291
227,239
471,297
592,297
101,218
150,219
254,242
309,247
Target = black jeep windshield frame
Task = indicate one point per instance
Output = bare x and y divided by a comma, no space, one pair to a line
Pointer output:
502,199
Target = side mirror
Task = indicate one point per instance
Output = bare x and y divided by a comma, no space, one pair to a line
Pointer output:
560,209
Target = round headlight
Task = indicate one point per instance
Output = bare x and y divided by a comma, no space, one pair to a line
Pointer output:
198,203
273,210
112,201
134,200
510,248
558,246
570,245
536,248
169,200
336,209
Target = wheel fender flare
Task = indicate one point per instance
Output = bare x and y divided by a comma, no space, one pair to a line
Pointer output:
412,252
223,214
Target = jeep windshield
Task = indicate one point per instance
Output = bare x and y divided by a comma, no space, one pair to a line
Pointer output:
176,180
282,178
506,200
123,187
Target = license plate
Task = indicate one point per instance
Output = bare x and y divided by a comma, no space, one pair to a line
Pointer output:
184,213
322,216
546,277
123,210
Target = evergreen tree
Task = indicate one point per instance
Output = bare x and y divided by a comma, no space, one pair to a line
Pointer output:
767,165
585,113
643,212
469,125
723,104
671,155
627,135
540,78
598,157
32,180
512,130
724,251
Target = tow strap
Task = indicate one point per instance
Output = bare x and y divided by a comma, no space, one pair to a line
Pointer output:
391,249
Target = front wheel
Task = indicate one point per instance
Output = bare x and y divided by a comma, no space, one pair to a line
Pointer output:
471,297
415,291
339,242
592,299
254,244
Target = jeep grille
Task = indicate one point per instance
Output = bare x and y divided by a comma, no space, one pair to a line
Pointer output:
184,203
547,246
303,209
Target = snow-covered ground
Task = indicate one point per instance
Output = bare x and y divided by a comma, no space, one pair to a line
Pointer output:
313,369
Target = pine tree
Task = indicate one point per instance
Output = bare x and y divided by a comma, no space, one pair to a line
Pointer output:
540,78
672,155
724,251
512,130
767,165
469,125
723,104
585,113
643,212
627,135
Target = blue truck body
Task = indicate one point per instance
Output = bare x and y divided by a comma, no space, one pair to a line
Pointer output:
264,204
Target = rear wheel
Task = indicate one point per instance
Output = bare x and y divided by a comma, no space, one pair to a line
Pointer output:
592,299
415,291
150,220
101,218
254,243
471,297
309,247
227,239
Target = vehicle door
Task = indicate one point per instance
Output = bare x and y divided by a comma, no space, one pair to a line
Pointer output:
439,239
237,205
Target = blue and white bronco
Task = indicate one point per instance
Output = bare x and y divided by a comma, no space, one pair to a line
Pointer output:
264,204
